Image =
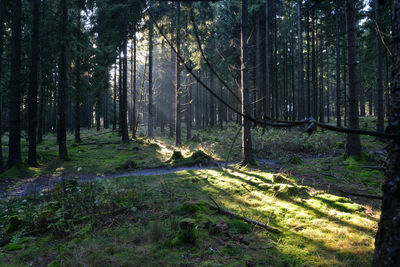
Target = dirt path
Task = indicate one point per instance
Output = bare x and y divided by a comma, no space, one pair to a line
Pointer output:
35,186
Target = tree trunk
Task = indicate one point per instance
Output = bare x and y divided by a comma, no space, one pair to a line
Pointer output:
134,122
267,107
124,100
1,91
379,91
247,156
387,242
150,117
62,92
258,68
77,93
115,99
353,146
338,91
188,114
300,100
178,81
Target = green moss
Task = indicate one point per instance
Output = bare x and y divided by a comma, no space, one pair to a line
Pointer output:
238,227
14,223
13,246
193,207
294,160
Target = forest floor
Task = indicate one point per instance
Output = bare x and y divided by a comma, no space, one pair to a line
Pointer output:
139,206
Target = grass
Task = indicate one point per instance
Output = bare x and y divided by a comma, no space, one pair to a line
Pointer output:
137,221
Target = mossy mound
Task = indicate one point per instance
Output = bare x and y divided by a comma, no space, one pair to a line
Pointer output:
294,160
279,178
187,234
200,157
193,207
14,223
176,155
238,227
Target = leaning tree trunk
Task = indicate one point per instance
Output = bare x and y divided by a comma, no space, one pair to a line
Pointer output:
353,145
62,127
387,242
379,91
14,146
247,155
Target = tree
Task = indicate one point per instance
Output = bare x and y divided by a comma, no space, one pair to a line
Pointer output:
124,100
300,101
150,117
33,85
77,87
387,242
338,91
247,155
14,144
178,81
353,145
62,91
379,91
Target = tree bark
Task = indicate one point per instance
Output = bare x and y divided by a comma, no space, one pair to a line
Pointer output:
247,155
134,122
115,99
1,92
353,146
387,242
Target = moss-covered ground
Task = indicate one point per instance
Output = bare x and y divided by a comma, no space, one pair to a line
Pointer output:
167,220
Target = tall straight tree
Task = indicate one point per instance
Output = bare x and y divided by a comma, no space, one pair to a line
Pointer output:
300,100
33,85
379,91
14,144
1,91
178,81
247,154
133,85
338,91
353,145
62,123
77,89
150,117
267,64
124,100
115,98
387,242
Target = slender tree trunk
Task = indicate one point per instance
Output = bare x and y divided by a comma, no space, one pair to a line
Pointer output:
115,99
1,91
134,122
77,93
120,114
212,102
150,117
124,100
380,109
353,146
267,107
33,85
300,100
188,114
178,81
172,96
338,91
258,67
308,68
247,155
62,92
387,242
314,68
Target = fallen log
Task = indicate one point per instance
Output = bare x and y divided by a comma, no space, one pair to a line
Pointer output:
246,219
361,195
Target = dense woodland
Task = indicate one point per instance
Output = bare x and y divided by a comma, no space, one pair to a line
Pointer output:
177,72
